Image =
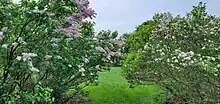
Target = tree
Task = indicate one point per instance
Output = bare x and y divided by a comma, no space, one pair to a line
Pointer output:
136,40
46,48
182,56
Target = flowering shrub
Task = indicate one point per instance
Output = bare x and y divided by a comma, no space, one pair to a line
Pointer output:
46,43
182,56
111,45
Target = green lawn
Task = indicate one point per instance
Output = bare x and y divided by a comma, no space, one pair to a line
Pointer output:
113,89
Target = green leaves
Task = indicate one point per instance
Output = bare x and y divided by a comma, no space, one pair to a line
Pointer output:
180,55
136,40
33,28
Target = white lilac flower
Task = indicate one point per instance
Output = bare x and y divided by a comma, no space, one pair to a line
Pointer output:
86,60
80,66
28,56
51,14
20,39
182,54
108,57
176,61
30,63
91,46
15,44
173,58
168,60
83,74
81,70
38,11
4,29
58,57
69,65
187,58
192,62
157,59
97,66
54,45
47,57
69,39
162,53
5,46
172,65
18,58
184,64
146,46
213,58
33,69
191,53
56,40
218,66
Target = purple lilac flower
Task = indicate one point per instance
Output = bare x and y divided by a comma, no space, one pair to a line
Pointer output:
100,49
70,31
115,54
120,43
83,12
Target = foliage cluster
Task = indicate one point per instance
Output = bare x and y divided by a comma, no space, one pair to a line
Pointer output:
46,48
182,56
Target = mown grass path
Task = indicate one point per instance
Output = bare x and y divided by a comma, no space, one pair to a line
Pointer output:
114,89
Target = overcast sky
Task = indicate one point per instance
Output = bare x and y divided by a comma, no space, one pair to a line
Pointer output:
125,15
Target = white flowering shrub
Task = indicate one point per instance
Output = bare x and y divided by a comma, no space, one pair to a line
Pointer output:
46,47
182,56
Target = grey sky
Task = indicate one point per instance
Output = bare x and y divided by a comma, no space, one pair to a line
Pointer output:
125,15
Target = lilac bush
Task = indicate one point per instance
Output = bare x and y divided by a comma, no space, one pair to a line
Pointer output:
111,45
47,47
182,57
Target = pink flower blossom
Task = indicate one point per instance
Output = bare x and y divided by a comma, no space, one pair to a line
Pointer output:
115,54
75,19
100,49
120,43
